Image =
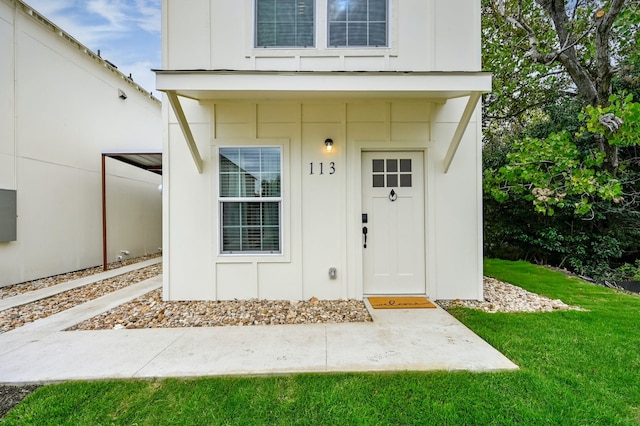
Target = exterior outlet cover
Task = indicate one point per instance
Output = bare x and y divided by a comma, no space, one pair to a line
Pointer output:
333,273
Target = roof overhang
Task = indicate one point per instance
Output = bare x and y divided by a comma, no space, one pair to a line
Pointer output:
150,161
218,85
223,84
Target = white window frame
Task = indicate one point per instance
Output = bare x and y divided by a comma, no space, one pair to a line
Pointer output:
280,200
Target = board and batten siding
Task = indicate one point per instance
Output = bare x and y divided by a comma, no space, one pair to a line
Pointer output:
321,213
435,35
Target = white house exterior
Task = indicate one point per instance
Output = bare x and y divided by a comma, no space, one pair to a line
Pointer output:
61,107
255,204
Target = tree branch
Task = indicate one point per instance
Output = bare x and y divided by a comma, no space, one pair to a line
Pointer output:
556,11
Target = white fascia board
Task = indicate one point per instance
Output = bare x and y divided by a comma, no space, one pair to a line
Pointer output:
230,84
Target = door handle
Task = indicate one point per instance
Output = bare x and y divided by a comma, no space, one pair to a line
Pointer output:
365,231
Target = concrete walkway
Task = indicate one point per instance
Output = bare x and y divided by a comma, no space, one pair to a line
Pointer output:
397,340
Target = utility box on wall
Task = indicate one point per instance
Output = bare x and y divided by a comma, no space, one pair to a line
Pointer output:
8,215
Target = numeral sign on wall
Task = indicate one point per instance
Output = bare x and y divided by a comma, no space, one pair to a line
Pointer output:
322,168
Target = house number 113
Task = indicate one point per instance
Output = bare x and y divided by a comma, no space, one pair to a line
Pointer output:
320,167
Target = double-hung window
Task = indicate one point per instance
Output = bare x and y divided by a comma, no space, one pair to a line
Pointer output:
358,23
285,23
250,200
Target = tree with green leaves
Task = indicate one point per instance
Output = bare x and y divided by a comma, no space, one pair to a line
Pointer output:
561,136
543,49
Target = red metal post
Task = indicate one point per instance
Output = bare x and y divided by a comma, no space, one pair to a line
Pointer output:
104,214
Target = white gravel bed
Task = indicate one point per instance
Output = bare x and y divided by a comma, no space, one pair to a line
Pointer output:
150,311
27,286
18,316
504,297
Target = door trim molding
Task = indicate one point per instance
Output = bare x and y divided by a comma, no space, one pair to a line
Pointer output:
354,205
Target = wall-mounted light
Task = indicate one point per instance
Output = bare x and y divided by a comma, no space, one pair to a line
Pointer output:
121,94
328,143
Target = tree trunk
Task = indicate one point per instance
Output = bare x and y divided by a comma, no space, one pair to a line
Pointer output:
595,89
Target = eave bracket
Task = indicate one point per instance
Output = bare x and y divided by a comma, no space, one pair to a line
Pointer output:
184,126
462,126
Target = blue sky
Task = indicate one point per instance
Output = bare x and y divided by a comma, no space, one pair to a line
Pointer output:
127,32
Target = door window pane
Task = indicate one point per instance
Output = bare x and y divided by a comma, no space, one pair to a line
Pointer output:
405,181
385,173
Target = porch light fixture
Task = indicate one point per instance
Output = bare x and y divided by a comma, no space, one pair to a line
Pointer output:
328,143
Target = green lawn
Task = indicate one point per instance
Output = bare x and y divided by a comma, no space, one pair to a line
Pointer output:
577,368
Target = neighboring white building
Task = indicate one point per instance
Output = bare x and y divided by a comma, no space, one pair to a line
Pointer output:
61,107
255,204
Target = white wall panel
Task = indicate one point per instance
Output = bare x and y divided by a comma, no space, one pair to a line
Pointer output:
7,171
237,281
190,231
424,36
229,35
278,281
457,215
188,25
457,38
321,215
7,98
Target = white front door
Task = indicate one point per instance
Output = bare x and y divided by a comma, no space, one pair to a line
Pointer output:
393,223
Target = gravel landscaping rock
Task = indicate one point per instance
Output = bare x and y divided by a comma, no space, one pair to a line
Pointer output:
25,287
504,297
150,311
20,315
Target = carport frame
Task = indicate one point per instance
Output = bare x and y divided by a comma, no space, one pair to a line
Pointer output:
133,159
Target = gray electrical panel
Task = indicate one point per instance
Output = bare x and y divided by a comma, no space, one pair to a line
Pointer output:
8,215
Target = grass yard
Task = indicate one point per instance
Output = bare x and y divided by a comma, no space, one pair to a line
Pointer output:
577,368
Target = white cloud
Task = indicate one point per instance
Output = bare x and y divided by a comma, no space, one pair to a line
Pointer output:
50,8
150,15
126,31
110,10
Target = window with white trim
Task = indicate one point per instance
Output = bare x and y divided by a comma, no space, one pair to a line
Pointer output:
285,23
358,23
250,197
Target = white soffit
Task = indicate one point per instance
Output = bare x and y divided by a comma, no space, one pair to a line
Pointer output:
206,85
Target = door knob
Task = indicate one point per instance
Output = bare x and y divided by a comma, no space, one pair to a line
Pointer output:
365,231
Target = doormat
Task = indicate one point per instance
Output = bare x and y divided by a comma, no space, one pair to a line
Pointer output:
400,302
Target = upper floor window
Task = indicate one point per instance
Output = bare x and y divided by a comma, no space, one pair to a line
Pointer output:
285,23
358,23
